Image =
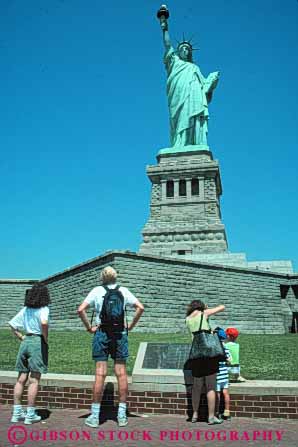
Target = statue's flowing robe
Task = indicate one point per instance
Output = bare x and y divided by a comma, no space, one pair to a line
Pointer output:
188,93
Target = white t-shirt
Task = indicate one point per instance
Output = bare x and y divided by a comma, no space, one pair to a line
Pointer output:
30,319
96,296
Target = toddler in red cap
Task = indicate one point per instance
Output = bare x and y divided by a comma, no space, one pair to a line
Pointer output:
234,368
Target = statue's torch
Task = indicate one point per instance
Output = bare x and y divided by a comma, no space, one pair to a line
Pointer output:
163,14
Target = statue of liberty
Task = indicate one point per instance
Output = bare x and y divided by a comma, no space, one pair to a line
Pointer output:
189,93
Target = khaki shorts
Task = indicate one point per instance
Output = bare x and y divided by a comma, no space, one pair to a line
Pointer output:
32,355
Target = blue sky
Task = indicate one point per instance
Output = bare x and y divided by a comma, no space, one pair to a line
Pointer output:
83,110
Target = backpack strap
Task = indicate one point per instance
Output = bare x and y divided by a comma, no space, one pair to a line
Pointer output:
126,320
104,298
124,308
93,312
202,314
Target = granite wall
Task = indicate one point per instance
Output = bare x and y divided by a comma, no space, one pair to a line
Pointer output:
12,295
165,286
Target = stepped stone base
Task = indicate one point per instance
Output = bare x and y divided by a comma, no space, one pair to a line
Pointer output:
239,260
186,219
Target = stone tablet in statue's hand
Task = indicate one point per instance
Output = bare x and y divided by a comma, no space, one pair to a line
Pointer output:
213,77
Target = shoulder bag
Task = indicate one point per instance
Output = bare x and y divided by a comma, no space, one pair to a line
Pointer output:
206,345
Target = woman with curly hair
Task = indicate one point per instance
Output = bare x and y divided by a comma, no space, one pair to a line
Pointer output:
32,358
203,371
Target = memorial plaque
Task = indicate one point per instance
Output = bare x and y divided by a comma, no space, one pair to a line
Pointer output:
166,355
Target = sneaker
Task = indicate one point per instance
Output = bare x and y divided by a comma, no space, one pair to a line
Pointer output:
240,379
32,419
214,420
18,417
122,420
233,378
92,421
227,418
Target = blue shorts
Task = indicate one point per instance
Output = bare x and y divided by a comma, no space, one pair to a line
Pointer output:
234,369
105,344
222,386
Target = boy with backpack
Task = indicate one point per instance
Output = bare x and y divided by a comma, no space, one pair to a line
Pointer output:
110,338
234,348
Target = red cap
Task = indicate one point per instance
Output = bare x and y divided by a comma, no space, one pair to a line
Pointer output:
232,332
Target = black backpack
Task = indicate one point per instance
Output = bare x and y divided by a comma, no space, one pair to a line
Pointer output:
112,311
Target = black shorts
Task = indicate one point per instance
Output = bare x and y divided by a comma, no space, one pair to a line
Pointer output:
203,368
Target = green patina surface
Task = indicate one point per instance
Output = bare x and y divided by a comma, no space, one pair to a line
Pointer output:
184,149
188,91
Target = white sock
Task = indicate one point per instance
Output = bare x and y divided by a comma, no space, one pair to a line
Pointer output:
122,409
17,409
95,409
30,411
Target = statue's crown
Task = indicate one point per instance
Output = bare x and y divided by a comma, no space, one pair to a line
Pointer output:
186,42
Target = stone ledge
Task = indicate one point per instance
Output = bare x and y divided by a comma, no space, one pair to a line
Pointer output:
60,380
251,387
265,387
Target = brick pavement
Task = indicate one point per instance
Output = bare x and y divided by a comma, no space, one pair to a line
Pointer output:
165,430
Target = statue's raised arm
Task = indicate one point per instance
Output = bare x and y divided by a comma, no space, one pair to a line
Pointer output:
163,15
188,91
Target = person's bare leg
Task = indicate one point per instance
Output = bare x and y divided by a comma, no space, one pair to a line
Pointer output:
33,388
211,403
226,395
17,412
120,371
239,378
31,415
19,388
217,402
101,369
196,395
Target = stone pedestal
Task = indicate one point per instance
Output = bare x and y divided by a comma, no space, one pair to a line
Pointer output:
185,216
